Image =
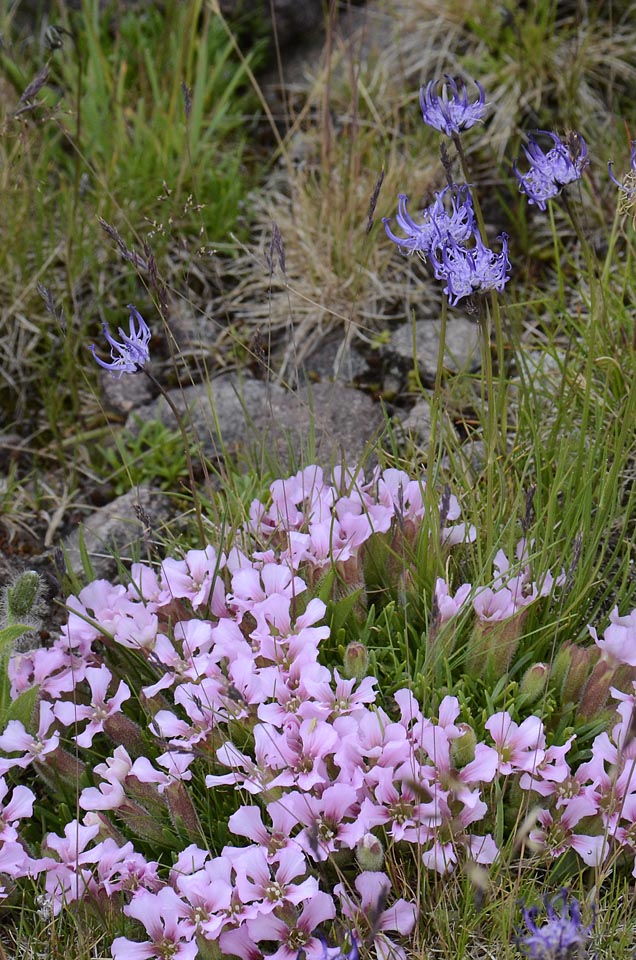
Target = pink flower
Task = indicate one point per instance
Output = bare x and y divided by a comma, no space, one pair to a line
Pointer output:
295,935
330,820
15,737
254,880
100,708
68,880
248,822
19,807
553,771
300,753
448,605
619,639
120,868
558,835
371,912
494,605
161,914
520,747
196,578
110,794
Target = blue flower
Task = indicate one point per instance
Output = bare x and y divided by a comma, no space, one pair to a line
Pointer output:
550,171
470,269
438,222
628,186
561,937
338,953
132,353
451,112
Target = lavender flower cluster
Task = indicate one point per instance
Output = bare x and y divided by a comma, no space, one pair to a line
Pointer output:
449,238
239,701
447,234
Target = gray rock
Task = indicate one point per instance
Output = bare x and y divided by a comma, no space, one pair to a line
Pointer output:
194,333
334,360
112,531
418,423
343,422
239,406
254,415
126,394
461,349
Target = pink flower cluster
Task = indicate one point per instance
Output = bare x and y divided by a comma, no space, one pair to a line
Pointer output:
512,591
237,700
315,522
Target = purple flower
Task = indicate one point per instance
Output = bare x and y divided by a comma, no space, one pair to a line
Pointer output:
438,223
628,186
451,112
561,937
550,171
338,952
132,353
469,270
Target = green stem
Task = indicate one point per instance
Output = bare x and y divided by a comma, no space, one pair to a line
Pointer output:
489,420
436,405
497,397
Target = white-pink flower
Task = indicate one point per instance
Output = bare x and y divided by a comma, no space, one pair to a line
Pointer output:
371,910
619,639
99,709
520,747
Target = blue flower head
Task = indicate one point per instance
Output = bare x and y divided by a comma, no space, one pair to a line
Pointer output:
470,269
561,937
132,353
552,169
334,953
450,111
450,216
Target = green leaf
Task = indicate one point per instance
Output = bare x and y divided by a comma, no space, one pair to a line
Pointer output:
86,560
23,706
8,635
339,611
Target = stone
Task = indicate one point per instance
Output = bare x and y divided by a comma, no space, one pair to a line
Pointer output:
114,530
461,350
335,361
255,415
239,405
343,422
194,333
126,394
417,424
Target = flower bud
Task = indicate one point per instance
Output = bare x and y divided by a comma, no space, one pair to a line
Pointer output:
493,645
576,675
463,748
560,666
22,597
122,730
208,949
60,765
533,683
182,812
516,799
141,821
356,661
596,690
370,852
